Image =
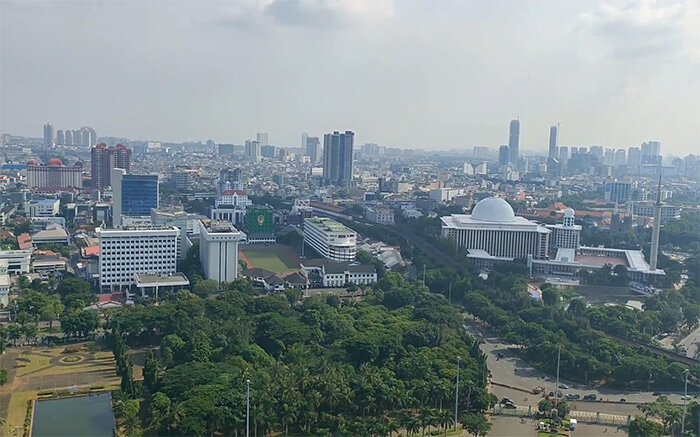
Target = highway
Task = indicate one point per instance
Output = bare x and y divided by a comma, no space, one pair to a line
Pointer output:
513,371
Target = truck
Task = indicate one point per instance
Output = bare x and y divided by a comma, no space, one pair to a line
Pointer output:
573,423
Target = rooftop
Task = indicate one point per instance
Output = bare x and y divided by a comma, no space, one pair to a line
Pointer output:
146,280
328,224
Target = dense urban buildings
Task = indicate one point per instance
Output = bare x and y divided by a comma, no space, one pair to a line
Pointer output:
337,158
104,159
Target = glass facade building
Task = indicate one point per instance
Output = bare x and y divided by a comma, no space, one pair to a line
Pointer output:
139,194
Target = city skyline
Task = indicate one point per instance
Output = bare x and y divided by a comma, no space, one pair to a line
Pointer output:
611,76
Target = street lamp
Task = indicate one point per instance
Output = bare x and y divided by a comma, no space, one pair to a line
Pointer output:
247,409
457,394
685,397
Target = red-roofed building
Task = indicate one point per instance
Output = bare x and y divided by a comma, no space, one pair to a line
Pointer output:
24,241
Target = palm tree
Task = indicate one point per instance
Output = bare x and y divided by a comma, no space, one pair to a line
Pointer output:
445,418
425,418
392,425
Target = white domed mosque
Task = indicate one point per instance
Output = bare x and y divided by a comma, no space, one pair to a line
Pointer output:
493,232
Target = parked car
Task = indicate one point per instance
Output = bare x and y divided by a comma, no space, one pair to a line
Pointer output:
591,397
572,397
563,386
623,401
505,401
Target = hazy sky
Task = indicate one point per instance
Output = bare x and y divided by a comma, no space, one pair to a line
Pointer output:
439,74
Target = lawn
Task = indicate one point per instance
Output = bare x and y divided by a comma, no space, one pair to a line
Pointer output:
276,258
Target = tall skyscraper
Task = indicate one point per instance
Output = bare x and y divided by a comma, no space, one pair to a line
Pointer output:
553,140
78,137
60,138
103,159
514,141
263,138
337,158
503,155
253,152
620,158
48,135
304,136
634,159
68,137
133,195
313,149
651,152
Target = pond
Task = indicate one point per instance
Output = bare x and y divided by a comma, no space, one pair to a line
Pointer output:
78,416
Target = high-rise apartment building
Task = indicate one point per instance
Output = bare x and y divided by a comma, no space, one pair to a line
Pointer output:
253,150
313,149
553,141
304,136
60,138
651,152
104,159
514,141
634,159
68,137
620,158
218,250
597,151
48,135
263,138
337,158
132,195
503,155
54,175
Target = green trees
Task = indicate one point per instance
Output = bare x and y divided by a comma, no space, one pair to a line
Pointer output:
475,424
80,324
669,413
643,427
316,367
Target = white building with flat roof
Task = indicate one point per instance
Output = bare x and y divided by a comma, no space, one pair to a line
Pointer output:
493,228
218,250
126,252
567,234
4,284
330,239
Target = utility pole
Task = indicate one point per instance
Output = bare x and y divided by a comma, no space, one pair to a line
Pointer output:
247,409
685,397
450,293
556,386
457,395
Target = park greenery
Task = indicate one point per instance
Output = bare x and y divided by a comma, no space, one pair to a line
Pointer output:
588,354
669,414
318,366
48,302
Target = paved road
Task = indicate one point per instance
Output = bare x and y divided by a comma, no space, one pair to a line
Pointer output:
691,343
513,371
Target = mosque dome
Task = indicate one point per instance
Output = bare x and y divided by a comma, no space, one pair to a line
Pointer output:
55,162
493,209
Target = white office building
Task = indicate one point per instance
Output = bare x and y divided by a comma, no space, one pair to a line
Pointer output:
218,250
18,261
492,231
646,209
330,239
565,235
126,252
42,207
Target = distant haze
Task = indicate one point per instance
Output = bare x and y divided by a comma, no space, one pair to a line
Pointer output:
434,75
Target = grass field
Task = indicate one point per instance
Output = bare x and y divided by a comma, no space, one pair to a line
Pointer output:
276,258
